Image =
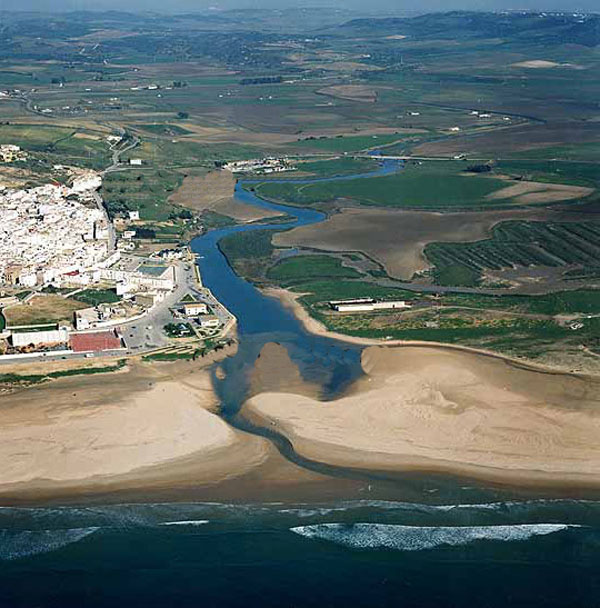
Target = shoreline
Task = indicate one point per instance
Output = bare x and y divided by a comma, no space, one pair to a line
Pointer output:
289,299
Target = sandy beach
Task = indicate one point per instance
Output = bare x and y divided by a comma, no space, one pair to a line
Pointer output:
422,408
142,423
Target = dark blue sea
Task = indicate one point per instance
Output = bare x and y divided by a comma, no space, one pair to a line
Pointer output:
358,553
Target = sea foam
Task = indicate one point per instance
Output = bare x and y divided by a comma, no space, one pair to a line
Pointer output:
418,538
186,522
15,544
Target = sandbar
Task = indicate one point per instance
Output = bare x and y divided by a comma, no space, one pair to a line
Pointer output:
448,411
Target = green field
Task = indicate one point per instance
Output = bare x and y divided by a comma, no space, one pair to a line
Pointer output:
346,143
145,191
184,153
164,129
212,220
323,291
582,301
252,244
57,144
248,253
558,172
515,325
37,378
302,267
336,167
434,185
589,151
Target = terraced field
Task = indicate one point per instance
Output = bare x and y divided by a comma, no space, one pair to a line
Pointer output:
518,243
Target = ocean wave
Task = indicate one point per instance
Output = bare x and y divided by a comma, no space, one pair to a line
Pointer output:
418,538
186,522
15,544
514,507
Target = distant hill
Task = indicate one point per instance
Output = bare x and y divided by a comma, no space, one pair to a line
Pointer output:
527,26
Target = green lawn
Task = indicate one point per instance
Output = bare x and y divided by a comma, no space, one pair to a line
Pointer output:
93,297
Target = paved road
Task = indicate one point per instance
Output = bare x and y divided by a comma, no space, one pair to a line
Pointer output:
147,333
117,153
112,235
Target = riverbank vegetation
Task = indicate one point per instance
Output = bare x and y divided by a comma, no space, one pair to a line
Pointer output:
28,379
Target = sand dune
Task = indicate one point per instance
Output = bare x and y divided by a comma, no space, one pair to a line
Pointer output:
430,409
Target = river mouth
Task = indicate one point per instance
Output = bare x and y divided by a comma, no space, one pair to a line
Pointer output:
331,364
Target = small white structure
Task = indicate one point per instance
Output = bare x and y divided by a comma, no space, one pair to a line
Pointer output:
28,279
209,322
86,318
367,306
193,309
136,162
134,216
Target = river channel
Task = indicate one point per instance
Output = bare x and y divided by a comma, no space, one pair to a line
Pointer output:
261,319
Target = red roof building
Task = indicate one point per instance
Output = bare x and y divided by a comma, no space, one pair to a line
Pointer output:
95,341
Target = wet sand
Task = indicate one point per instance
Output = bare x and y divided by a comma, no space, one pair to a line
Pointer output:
148,432
442,411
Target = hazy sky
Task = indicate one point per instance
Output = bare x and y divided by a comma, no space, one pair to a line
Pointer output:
361,5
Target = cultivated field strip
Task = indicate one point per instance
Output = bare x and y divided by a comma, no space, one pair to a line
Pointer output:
521,243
